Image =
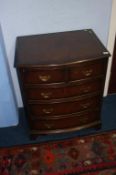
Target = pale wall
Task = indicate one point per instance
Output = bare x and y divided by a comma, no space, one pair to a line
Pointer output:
8,107
111,42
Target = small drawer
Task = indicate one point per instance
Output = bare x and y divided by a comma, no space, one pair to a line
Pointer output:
70,107
87,70
71,90
66,123
41,76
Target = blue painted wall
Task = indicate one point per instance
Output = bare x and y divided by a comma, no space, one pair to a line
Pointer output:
8,109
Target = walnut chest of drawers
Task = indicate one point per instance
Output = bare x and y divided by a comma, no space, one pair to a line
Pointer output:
61,77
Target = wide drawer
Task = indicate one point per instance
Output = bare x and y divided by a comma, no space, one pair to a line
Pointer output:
56,92
63,108
68,122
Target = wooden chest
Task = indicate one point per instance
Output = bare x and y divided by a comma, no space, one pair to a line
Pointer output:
61,76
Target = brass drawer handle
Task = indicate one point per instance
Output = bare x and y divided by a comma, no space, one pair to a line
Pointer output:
48,126
46,94
88,72
86,105
44,78
48,111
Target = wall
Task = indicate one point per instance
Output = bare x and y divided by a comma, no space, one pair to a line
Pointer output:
8,109
111,42
24,17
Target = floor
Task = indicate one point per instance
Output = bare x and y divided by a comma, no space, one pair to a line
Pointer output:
18,135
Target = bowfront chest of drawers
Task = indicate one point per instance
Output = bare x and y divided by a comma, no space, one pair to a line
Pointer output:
61,77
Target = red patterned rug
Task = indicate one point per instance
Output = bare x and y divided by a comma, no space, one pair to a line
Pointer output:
86,155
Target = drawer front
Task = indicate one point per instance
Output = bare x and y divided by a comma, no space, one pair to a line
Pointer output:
68,73
64,108
41,76
46,93
90,70
64,123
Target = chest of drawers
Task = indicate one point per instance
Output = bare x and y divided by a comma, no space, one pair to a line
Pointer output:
61,77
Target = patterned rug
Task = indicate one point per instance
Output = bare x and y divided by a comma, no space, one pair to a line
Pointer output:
86,155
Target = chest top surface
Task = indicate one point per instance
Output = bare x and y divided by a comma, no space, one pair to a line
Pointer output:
58,48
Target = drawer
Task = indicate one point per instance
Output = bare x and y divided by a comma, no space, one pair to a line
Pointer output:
41,76
87,70
55,109
74,89
68,122
63,74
